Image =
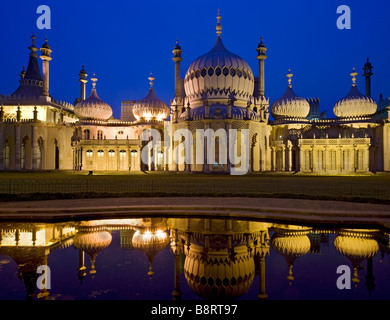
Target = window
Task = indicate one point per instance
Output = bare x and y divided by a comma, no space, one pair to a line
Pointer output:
100,134
89,153
100,154
86,134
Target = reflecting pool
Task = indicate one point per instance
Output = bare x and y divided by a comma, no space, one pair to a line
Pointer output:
162,258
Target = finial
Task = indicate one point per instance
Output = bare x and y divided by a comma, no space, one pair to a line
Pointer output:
219,27
151,79
93,79
353,75
33,39
289,76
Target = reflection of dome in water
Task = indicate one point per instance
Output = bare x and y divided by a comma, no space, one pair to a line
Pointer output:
291,242
218,276
150,242
92,243
357,247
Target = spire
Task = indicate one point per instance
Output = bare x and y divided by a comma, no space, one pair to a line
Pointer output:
94,79
353,75
33,48
289,76
151,79
219,27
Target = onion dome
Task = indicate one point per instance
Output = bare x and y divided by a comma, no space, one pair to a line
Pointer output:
216,275
219,74
151,107
290,105
355,104
93,107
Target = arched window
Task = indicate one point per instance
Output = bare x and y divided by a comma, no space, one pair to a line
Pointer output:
100,135
100,153
89,154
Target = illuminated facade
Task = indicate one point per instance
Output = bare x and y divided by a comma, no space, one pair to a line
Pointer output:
219,93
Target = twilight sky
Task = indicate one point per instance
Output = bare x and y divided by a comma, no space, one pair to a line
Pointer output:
122,41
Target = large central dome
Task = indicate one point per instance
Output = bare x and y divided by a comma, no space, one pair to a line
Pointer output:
219,74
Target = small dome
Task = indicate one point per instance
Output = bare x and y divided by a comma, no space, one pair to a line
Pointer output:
151,107
93,107
290,105
355,104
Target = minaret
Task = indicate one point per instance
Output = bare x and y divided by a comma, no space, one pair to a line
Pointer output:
367,74
83,81
261,56
177,59
45,56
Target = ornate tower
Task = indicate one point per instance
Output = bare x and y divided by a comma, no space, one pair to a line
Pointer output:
45,56
177,59
261,56
83,81
367,74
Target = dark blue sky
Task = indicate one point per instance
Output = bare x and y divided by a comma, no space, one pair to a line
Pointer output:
123,41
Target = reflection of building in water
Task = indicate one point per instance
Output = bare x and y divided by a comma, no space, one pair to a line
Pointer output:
219,255
219,258
357,246
291,242
29,245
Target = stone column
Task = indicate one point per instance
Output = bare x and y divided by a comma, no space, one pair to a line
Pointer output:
339,159
228,126
284,158
366,161
313,159
188,139
289,158
17,147
273,159
353,162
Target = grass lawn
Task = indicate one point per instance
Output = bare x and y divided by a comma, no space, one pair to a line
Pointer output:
28,185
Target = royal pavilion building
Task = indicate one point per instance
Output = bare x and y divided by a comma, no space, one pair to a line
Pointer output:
219,94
